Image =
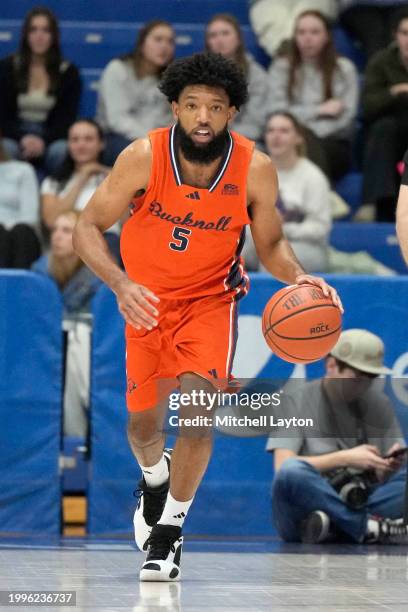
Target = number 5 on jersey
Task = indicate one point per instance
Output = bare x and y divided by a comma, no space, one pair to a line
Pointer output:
180,235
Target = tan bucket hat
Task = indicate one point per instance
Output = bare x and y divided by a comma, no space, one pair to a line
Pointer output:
361,350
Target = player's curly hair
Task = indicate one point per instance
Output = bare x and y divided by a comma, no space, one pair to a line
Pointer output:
209,69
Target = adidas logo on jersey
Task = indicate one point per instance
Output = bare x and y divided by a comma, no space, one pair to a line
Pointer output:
193,196
179,516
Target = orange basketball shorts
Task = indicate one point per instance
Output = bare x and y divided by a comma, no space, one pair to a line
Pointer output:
193,335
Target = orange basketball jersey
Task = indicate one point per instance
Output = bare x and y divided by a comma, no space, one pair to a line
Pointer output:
183,241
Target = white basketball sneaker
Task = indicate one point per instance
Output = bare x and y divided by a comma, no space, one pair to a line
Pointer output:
163,555
149,507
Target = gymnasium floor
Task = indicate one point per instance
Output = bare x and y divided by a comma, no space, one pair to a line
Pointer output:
217,576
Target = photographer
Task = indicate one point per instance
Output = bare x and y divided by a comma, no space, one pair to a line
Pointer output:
334,482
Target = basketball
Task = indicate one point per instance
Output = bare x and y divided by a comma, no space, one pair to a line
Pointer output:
300,324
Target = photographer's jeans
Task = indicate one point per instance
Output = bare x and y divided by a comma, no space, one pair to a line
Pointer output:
299,489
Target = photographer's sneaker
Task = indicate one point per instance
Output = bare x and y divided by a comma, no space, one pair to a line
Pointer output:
163,554
149,507
387,531
316,529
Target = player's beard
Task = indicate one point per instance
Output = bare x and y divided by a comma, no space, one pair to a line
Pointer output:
202,153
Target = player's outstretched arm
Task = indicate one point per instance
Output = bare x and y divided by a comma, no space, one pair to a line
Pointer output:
272,247
130,173
402,220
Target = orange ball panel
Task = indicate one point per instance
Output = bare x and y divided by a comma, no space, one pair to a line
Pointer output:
300,324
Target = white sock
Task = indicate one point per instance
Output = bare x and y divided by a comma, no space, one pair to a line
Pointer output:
156,475
174,512
372,529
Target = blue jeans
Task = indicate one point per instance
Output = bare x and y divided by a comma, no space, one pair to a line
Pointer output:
299,489
53,158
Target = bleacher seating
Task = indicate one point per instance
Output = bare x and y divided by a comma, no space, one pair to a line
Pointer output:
346,46
378,239
91,45
90,82
350,189
193,11
92,35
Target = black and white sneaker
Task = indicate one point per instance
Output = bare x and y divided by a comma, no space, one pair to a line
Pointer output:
163,555
390,531
149,507
315,529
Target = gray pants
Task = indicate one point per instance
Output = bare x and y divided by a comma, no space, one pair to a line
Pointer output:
77,378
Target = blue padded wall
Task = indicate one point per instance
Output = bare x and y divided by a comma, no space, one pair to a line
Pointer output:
30,403
113,471
234,498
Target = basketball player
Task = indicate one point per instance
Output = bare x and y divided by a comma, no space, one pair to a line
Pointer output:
402,212
200,186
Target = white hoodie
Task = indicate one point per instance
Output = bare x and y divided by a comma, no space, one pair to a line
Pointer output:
273,21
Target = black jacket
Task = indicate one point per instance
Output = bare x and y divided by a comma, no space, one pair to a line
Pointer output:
60,117
384,70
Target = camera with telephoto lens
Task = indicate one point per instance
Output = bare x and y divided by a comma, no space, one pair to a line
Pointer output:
353,488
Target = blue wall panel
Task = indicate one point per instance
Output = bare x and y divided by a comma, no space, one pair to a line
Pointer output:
30,403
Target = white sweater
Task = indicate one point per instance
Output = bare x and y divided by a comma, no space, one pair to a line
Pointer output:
274,20
19,198
305,193
130,106
309,94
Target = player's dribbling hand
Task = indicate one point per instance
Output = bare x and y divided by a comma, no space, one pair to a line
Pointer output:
135,304
308,279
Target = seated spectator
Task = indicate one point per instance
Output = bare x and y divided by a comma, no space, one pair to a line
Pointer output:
304,192
273,20
370,22
39,93
223,35
78,286
385,110
333,480
129,102
321,90
76,282
306,205
19,213
82,171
